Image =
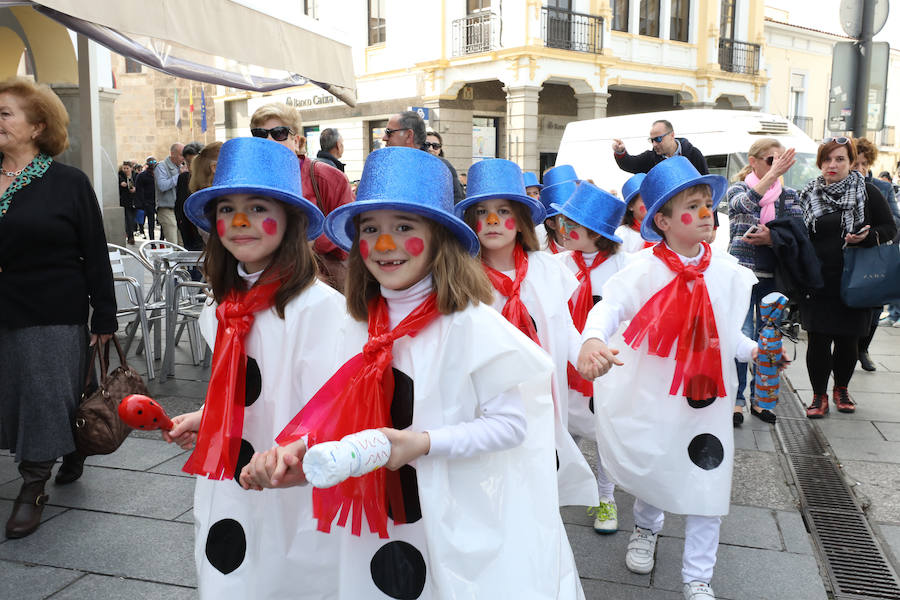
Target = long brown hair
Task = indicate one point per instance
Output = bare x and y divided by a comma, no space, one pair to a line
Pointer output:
526,235
457,277
293,260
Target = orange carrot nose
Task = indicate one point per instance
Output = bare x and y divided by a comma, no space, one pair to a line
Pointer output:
704,212
240,220
385,243
493,219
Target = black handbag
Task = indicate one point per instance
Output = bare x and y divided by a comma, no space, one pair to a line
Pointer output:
98,428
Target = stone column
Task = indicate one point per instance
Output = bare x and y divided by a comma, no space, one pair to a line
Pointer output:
455,127
591,105
522,126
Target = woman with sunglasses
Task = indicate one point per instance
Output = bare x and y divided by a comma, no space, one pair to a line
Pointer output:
756,197
328,187
434,143
839,209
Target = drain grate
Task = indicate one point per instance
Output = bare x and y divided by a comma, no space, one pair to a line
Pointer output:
856,566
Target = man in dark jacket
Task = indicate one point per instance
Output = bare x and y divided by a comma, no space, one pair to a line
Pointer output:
665,145
190,237
331,148
146,195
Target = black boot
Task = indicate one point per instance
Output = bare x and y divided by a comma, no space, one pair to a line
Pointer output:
27,509
866,362
71,469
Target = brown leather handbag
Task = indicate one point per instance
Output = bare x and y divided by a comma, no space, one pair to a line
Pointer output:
98,428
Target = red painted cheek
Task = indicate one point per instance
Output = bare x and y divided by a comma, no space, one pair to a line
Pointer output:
510,224
687,219
415,246
364,249
270,226
573,235
220,227
642,211
479,226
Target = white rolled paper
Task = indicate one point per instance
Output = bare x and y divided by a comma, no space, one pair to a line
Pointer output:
329,463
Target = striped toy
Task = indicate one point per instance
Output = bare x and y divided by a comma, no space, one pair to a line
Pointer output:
767,380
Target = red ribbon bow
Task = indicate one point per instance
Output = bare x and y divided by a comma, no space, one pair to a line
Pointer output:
514,310
580,305
359,397
675,312
219,437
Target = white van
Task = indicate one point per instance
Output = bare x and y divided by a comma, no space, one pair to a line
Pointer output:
723,136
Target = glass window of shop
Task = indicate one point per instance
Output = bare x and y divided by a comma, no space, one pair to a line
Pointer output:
679,28
311,134
485,137
620,15
649,18
376,132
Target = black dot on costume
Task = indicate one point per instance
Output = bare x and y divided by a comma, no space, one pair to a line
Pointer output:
226,545
706,451
700,391
402,403
597,298
557,460
253,382
244,456
533,324
591,404
409,485
398,570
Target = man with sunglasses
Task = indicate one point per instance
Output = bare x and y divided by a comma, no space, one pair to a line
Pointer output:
665,145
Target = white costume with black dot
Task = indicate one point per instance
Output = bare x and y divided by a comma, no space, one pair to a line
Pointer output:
252,544
545,292
478,386
670,456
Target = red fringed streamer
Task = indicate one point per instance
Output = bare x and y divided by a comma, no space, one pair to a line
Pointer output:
675,312
514,310
359,397
637,227
580,305
219,437
552,247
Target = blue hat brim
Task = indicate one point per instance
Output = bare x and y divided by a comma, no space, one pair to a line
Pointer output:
195,205
539,186
560,211
538,214
717,184
632,195
340,229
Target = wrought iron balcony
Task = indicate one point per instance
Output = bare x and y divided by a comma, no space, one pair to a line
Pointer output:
476,33
738,57
804,123
571,30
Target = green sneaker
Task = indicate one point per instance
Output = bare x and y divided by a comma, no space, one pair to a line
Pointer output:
606,518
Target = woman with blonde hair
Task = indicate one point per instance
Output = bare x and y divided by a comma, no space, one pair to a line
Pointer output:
755,198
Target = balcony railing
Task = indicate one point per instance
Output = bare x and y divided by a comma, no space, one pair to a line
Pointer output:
571,30
738,57
804,123
476,33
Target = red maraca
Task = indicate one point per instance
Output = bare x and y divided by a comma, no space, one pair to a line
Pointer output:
142,412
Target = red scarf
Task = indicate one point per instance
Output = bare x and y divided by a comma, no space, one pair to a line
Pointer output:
580,305
219,438
677,312
637,227
359,397
552,247
514,310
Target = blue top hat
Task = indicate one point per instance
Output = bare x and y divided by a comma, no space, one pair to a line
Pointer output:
531,180
255,166
559,184
665,180
498,178
406,179
559,174
594,208
632,187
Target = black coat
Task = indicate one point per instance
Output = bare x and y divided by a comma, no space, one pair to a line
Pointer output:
146,191
331,159
643,162
797,270
127,196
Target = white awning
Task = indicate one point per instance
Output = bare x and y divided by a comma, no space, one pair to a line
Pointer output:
214,41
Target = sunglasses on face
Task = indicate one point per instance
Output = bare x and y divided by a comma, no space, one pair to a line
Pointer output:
279,134
770,160
389,132
433,145
837,140
659,138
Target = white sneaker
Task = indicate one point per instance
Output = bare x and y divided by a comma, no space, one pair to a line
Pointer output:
641,548
698,590
606,517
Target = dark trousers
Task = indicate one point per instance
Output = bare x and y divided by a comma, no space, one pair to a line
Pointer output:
873,327
130,222
151,223
828,354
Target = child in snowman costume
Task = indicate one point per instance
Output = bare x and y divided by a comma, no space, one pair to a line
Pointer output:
663,407
277,334
467,506
635,211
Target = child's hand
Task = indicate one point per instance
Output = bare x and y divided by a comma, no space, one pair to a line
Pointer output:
754,354
279,467
595,359
184,430
406,446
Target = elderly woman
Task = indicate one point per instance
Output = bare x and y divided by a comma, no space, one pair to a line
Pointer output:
53,266
754,199
839,208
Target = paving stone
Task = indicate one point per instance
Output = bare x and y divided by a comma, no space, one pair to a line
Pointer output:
879,485
750,526
119,491
177,387
844,428
602,557
890,533
32,582
746,573
173,465
109,544
888,363
9,471
744,438
48,513
605,590
867,450
137,455
187,516
764,440
759,480
876,382
890,431
103,587
793,532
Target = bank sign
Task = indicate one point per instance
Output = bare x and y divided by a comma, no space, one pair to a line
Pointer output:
301,99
